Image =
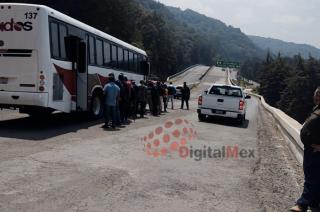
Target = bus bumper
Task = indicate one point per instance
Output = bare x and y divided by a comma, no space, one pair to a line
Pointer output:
21,99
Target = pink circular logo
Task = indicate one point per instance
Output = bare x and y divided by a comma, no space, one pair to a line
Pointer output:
169,138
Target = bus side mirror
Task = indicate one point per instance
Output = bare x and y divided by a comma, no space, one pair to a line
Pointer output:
145,66
248,97
205,92
82,57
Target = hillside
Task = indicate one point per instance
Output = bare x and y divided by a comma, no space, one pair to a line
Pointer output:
285,48
218,40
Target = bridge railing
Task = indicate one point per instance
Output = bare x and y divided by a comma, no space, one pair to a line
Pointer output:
181,72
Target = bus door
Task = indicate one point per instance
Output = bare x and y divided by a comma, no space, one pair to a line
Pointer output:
77,53
82,77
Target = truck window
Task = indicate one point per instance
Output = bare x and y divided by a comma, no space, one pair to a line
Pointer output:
226,91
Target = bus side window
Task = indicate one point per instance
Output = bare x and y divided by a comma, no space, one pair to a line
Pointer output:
114,57
125,62
92,57
106,53
63,33
131,64
139,64
54,37
120,58
99,52
135,63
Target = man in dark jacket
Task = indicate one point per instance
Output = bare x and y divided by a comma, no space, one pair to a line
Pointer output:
134,99
120,106
185,95
142,98
310,137
155,99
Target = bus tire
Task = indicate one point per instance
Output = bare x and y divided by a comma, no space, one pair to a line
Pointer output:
96,107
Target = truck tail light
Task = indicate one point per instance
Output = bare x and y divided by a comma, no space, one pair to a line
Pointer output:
241,105
200,100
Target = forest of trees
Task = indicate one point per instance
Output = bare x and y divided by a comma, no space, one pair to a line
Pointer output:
286,83
173,39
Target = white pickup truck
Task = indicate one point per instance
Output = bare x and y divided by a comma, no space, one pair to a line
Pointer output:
224,101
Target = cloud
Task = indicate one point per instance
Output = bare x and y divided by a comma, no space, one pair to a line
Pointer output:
297,19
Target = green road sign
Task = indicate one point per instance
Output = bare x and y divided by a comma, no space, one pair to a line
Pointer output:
227,64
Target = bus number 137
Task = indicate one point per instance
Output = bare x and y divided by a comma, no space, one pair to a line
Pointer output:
31,15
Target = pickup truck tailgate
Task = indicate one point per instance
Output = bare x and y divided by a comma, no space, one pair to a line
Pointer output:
223,97
221,102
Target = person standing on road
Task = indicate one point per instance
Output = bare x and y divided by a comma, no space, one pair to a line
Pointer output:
111,95
160,97
149,96
134,99
120,106
185,95
171,92
155,99
126,99
310,137
141,98
165,97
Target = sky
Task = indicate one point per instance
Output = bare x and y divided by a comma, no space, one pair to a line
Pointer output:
289,20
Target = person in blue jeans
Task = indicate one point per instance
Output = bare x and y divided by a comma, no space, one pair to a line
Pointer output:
171,92
310,137
111,96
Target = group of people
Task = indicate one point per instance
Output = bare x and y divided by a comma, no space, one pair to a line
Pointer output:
124,98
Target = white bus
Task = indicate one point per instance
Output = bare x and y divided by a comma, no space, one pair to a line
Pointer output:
52,62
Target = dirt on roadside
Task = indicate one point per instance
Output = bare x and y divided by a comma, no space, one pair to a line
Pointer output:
277,177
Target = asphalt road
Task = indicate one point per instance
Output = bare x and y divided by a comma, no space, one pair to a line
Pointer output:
69,164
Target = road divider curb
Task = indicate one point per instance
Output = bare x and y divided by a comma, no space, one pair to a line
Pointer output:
205,73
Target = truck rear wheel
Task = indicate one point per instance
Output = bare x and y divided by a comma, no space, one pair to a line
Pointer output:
201,117
241,119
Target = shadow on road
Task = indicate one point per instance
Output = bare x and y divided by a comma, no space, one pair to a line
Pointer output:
227,122
28,128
